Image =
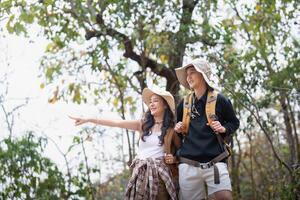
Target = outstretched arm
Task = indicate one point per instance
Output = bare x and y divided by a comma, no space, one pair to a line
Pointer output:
127,124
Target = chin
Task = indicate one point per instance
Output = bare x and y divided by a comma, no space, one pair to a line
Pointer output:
155,114
192,86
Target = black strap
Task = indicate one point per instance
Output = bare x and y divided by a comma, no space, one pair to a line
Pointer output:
195,163
216,175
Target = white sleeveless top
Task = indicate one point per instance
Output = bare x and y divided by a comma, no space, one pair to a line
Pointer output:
151,147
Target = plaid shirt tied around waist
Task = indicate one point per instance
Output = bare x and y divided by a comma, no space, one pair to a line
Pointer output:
144,182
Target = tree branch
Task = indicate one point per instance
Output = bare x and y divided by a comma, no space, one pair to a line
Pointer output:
203,40
142,60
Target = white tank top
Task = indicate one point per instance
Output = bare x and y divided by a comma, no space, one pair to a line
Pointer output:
151,147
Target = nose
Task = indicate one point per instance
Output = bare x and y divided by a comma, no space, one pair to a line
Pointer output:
150,105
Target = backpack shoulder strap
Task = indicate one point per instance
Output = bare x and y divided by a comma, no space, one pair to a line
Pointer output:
210,111
186,117
210,107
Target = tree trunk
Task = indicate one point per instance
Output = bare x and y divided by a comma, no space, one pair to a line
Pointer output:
295,130
235,161
288,129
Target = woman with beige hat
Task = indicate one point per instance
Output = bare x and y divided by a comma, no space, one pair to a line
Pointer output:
152,175
204,119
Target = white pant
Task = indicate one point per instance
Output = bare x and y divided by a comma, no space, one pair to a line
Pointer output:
192,180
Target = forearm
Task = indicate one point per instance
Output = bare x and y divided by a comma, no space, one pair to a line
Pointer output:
231,127
127,124
104,122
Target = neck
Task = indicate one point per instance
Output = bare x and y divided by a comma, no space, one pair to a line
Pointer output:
199,92
158,119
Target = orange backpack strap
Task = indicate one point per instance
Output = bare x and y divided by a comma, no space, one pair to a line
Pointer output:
210,107
210,111
186,117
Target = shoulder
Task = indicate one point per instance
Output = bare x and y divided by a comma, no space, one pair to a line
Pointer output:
223,100
221,97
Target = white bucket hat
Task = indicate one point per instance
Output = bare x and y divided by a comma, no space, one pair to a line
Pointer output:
147,93
201,66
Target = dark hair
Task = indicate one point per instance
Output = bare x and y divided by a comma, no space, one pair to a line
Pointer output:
148,123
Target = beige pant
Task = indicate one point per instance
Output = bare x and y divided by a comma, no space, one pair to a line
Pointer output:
192,181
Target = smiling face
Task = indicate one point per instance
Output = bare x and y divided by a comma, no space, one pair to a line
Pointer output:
194,78
157,105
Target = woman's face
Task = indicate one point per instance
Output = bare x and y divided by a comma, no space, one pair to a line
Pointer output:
157,106
194,78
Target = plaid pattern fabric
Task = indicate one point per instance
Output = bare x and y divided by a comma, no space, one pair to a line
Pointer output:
144,182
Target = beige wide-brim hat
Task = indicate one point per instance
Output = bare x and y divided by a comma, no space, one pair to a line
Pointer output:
147,93
201,66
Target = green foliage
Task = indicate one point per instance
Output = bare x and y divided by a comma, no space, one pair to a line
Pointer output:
114,188
288,191
25,173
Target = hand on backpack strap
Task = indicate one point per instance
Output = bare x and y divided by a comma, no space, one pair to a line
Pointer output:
216,126
178,127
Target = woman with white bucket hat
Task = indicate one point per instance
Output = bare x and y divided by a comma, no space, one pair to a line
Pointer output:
202,156
153,176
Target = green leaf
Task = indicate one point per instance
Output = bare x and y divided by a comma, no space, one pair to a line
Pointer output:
76,140
115,102
9,27
48,2
77,95
27,17
19,28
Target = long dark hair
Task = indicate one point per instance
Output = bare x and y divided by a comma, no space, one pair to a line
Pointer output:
168,122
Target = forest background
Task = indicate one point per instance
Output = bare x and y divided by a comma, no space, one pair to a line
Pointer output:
102,53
